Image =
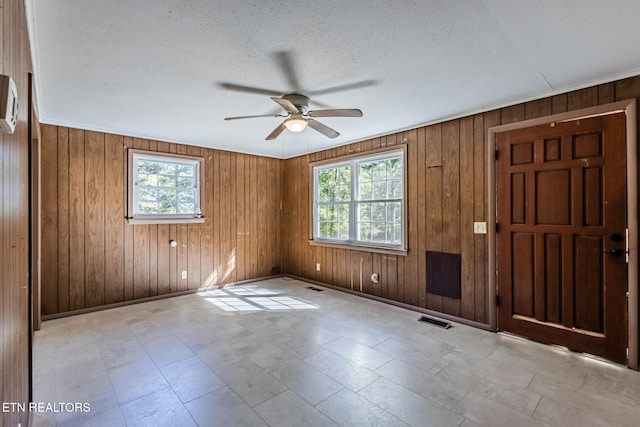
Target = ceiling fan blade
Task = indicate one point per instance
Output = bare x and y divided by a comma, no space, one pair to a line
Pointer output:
276,132
351,112
341,88
323,129
285,61
253,117
249,89
320,104
286,104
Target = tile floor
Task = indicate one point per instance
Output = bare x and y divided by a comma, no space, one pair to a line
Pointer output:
275,353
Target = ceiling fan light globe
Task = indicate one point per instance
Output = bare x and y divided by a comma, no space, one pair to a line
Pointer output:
295,124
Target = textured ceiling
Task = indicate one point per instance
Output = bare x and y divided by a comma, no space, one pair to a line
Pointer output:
163,69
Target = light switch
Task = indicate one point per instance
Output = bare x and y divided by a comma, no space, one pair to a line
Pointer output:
480,228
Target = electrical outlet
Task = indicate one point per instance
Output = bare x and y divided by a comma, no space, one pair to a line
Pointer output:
184,274
318,266
480,228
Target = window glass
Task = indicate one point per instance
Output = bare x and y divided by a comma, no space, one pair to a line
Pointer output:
361,201
164,186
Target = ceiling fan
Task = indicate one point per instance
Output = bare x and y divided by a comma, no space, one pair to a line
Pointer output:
299,116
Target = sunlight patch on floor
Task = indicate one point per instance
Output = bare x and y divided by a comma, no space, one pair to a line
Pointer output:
253,299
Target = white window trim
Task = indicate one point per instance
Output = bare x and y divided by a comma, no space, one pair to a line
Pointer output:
352,159
132,218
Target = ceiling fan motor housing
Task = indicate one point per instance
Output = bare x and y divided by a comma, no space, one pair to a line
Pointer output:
300,101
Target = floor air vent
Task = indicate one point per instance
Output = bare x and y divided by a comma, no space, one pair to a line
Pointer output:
433,321
315,289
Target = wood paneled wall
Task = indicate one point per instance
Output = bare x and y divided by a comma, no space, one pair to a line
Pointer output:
92,256
446,191
14,219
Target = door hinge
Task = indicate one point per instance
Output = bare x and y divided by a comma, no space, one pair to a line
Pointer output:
626,245
497,300
497,155
497,227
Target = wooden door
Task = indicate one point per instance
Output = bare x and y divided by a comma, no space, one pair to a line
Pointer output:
561,218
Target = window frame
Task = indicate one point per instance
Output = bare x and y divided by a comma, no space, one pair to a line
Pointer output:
353,160
133,217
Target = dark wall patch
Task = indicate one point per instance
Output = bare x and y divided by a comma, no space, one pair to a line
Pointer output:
443,274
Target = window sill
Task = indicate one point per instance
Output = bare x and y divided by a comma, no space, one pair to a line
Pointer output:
359,247
135,221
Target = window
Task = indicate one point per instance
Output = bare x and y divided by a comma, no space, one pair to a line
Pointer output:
164,188
361,201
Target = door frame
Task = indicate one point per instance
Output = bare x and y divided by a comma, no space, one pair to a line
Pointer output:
629,108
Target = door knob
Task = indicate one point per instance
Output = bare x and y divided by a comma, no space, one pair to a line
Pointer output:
615,252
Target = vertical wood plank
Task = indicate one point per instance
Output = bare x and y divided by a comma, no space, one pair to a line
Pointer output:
451,198
538,108
114,219
421,244
224,212
606,93
278,214
248,196
261,213
207,265
376,267
233,236
343,268
94,236
253,236
8,341
217,280
391,267
627,88
76,220
512,114
284,215
558,103
273,212
434,201
14,220
582,98
63,218
50,278
480,214
327,266
311,251
467,204
240,215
